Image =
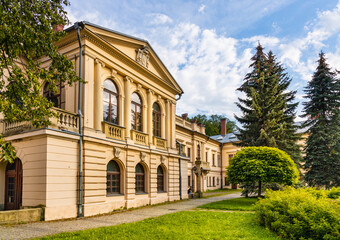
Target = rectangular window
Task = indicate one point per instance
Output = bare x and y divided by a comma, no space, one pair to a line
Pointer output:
214,182
219,160
189,181
206,156
231,156
213,160
189,152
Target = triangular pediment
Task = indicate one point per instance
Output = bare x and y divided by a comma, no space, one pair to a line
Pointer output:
138,50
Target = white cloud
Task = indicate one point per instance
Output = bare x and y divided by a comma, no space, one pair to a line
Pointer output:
159,18
201,8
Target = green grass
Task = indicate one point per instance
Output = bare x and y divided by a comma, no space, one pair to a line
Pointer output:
181,225
242,204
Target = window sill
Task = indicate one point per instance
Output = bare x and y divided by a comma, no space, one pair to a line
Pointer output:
162,192
141,193
114,195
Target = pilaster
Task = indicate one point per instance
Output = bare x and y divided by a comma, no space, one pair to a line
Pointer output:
98,95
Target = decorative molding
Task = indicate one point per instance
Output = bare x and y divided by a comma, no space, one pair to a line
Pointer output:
114,73
139,87
143,56
163,159
151,91
142,156
159,97
116,152
100,62
127,78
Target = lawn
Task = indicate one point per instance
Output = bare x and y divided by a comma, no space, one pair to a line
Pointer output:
241,204
181,225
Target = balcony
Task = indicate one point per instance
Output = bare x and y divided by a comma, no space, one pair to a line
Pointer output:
64,121
140,137
159,142
113,131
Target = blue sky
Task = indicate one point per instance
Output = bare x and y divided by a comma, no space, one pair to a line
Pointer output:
207,45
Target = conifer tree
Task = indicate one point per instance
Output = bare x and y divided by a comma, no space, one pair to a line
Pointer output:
268,111
322,159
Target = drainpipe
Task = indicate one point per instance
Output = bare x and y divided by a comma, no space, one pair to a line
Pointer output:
179,97
180,170
221,166
79,26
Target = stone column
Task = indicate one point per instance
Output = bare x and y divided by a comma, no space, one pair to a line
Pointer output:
173,125
127,124
168,122
98,95
149,117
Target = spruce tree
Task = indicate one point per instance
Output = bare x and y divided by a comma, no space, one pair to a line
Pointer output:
268,111
322,160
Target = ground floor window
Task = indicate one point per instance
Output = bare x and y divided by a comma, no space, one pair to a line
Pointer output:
140,179
13,185
160,179
112,178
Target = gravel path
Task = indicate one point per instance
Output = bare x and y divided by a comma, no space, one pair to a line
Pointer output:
40,229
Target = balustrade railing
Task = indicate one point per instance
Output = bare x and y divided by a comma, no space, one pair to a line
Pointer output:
139,137
159,142
114,131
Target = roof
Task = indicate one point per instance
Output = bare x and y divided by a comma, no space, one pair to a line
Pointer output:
175,86
228,138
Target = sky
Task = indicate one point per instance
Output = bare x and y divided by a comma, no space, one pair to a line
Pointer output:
207,45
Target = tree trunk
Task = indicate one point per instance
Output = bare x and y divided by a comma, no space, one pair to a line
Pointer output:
259,193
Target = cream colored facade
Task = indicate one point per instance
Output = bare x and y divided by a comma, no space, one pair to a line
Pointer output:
50,156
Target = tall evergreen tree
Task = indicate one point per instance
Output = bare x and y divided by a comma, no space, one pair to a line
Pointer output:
322,159
268,109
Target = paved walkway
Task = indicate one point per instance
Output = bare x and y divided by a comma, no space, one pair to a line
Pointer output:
40,229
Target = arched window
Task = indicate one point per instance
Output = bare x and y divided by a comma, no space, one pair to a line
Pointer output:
198,151
110,104
160,179
136,112
57,98
112,178
140,179
156,120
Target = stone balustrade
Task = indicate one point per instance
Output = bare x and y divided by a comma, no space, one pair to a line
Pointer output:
113,131
159,142
64,121
139,137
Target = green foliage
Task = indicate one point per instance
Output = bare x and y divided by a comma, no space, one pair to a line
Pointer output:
334,193
241,204
262,164
181,225
268,109
212,124
27,35
300,214
322,159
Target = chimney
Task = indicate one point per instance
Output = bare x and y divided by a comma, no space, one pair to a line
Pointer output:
58,28
185,116
194,120
223,126
200,124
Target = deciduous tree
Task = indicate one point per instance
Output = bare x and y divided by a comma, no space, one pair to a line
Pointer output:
262,165
28,33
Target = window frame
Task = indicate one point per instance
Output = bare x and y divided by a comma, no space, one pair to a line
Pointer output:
157,132
160,184
117,180
116,95
134,114
60,96
140,177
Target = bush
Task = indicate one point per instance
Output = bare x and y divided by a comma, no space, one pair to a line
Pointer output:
300,214
334,193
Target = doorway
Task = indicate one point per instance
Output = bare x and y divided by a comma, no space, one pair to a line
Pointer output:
13,185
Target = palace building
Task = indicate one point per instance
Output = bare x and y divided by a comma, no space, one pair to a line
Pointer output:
132,149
